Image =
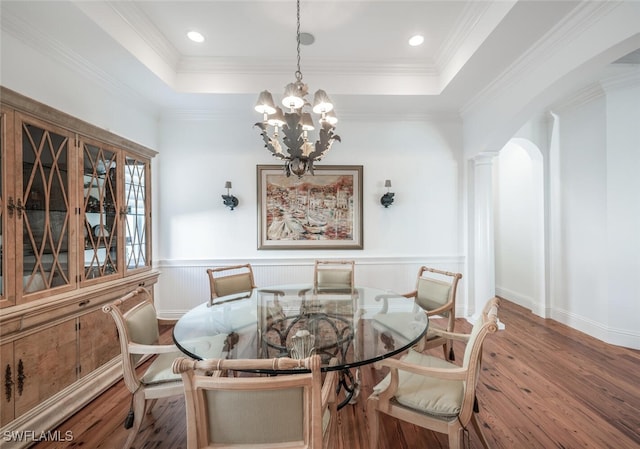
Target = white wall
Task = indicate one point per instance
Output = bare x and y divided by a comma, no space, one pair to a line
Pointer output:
599,165
593,243
195,229
421,159
583,198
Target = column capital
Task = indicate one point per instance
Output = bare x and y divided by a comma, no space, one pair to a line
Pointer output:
486,157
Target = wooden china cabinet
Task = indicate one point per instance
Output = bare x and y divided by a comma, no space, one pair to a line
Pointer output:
75,227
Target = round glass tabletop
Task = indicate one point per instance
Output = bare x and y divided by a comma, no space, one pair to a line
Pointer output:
353,327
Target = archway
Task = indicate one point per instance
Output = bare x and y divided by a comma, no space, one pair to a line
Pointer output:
519,228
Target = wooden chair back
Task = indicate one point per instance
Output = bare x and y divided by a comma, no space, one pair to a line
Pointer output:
257,412
230,280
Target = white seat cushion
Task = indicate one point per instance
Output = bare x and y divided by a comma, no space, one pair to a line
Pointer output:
436,397
160,369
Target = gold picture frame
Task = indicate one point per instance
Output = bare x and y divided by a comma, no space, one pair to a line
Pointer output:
320,211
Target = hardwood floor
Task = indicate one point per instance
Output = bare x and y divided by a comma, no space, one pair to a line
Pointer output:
543,385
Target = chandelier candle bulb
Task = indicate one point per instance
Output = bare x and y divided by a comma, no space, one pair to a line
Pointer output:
295,124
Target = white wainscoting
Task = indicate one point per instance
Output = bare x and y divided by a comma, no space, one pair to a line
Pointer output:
183,284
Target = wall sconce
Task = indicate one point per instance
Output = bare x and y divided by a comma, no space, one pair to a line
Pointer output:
387,199
228,199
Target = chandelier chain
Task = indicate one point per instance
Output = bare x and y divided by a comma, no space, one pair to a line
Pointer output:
298,72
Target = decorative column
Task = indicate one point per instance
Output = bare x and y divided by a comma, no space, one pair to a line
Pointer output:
483,285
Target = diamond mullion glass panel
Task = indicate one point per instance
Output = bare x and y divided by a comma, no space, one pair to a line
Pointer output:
101,216
136,223
45,199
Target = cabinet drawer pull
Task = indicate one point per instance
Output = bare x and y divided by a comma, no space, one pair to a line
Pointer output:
8,383
83,303
21,377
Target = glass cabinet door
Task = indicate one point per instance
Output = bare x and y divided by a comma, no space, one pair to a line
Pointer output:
43,207
101,207
137,213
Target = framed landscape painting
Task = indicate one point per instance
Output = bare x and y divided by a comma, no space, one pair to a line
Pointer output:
320,211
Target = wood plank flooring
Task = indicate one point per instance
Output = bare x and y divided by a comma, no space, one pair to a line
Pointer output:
543,385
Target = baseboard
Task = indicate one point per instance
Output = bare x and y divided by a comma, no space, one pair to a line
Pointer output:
614,336
515,297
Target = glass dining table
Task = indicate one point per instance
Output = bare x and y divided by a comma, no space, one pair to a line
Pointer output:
347,329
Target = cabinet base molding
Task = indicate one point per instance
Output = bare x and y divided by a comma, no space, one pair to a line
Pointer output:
50,413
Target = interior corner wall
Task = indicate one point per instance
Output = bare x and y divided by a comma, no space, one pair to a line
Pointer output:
599,165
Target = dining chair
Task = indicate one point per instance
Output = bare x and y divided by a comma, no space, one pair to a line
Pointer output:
230,280
138,334
436,293
289,410
433,393
334,276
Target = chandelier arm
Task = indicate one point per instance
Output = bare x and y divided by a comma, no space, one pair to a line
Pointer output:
268,141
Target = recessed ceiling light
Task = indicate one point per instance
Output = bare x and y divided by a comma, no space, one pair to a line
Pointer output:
195,36
416,40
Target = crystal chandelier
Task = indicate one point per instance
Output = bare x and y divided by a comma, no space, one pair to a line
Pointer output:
291,128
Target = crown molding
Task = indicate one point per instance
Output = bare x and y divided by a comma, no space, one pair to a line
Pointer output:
580,98
598,90
211,115
195,64
462,29
564,32
625,80
131,14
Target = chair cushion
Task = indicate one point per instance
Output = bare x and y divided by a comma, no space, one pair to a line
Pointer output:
160,369
235,283
252,417
334,279
142,324
435,397
432,293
